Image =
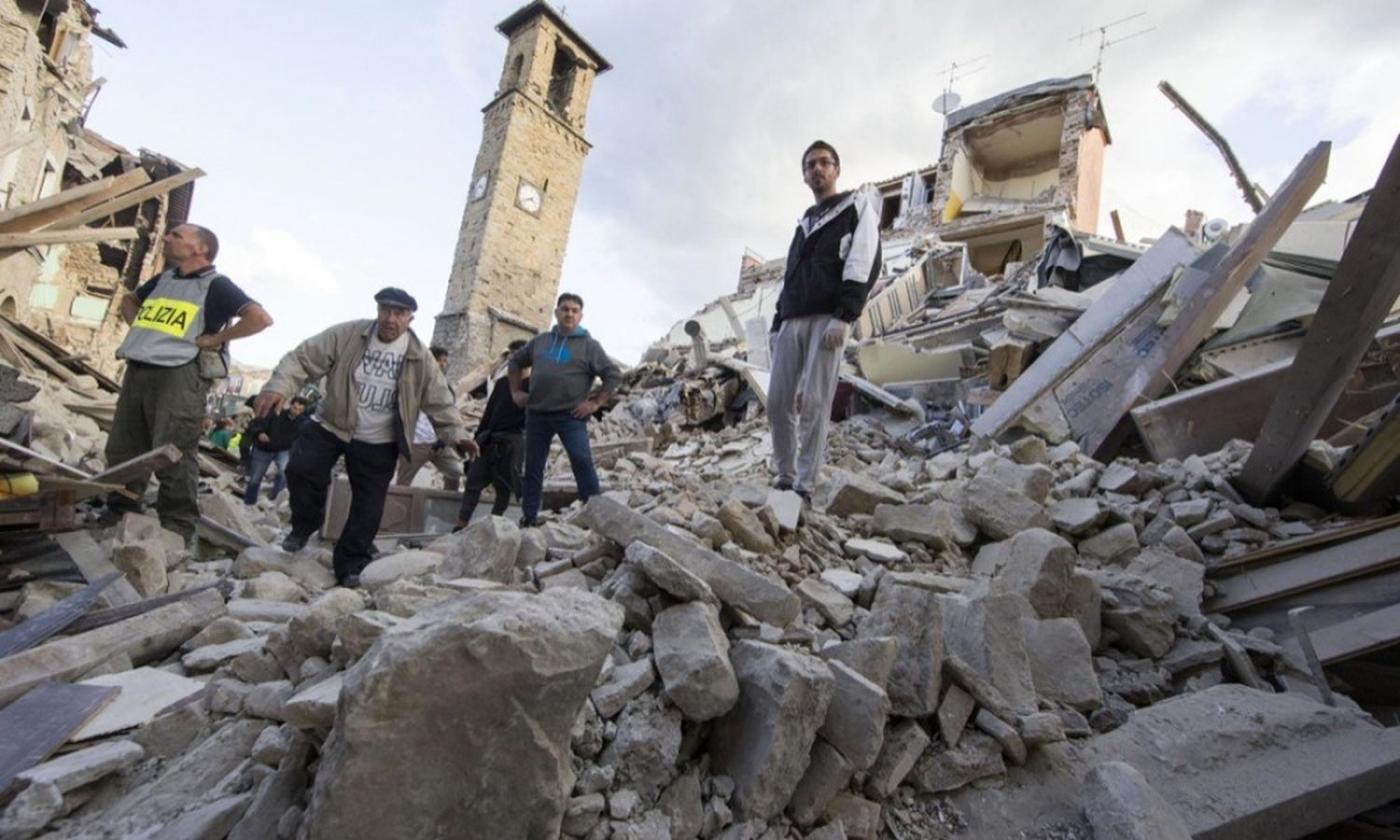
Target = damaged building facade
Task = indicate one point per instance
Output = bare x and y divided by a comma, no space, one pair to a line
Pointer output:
59,275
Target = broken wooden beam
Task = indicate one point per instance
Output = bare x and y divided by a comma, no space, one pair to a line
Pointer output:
29,633
1366,633
125,200
1304,572
1251,193
910,408
36,214
1140,361
141,465
1357,300
14,241
142,638
1136,287
1293,546
42,720
111,615
39,462
1205,418
1371,470
224,537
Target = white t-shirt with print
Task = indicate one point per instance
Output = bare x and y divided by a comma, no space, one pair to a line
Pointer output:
377,383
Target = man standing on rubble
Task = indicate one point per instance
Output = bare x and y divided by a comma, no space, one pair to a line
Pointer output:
378,377
176,347
563,363
427,448
832,262
499,449
272,439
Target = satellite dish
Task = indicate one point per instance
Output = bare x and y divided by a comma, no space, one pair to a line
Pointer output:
946,102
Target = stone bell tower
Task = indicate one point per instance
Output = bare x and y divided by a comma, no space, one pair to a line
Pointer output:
520,202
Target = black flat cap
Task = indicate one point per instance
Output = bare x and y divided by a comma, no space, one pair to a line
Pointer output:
391,296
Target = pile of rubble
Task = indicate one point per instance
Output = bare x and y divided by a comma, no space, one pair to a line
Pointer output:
1030,637
696,655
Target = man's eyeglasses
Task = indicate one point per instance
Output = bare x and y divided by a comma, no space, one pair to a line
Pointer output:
822,162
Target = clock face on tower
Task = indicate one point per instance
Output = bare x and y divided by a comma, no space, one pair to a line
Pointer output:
528,197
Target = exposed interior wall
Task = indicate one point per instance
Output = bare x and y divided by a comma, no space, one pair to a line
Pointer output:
989,252
1016,159
1092,144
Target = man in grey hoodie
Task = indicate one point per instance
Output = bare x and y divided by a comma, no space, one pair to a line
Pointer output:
563,363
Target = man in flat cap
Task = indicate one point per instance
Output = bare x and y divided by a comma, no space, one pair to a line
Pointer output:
378,377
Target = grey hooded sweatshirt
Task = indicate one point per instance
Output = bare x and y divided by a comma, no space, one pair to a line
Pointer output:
563,369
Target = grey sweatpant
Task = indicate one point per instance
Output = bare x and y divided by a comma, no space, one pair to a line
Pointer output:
802,382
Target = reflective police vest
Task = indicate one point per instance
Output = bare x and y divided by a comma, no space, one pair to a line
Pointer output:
170,319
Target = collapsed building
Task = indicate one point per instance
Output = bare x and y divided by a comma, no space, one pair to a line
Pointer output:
81,218
1001,616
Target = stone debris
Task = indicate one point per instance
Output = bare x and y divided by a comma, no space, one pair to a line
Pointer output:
1121,805
693,654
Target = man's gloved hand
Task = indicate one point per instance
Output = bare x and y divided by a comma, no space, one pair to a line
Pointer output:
836,334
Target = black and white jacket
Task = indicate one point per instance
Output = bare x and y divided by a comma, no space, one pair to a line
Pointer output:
834,258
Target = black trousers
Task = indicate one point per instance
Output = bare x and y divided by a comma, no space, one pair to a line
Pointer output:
502,459
370,467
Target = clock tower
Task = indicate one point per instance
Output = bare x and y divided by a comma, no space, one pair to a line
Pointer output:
520,201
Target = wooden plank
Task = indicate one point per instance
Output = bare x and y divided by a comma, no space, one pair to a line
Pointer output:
1363,556
36,214
1135,288
1355,637
12,352
1357,300
1206,418
910,408
111,615
82,489
29,633
14,241
162,456
57,353
39,462
42,720
92,561
1369,471
126,200
213,532
1141,359
1283,549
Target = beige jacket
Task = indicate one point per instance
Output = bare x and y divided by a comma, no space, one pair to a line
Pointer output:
336,353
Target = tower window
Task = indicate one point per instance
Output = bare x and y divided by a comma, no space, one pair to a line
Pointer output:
561,79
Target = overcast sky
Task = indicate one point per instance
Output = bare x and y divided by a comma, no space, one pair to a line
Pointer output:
339,137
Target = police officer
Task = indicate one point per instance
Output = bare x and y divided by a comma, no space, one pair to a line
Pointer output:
176,347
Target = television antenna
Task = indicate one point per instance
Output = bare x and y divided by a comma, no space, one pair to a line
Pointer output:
1105,42
948,101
